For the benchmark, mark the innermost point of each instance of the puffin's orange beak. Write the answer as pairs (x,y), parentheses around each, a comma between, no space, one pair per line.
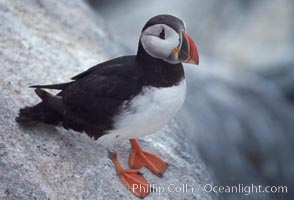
(186,52)
(188,48)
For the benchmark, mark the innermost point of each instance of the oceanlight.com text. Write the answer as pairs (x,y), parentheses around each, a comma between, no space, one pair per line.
(221,189)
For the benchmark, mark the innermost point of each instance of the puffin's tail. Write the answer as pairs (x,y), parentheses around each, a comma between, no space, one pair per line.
(49,111)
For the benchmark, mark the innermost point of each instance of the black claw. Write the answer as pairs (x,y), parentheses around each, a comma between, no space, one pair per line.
(160,175)
(140,173)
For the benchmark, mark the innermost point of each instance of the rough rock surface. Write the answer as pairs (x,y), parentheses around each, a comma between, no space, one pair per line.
(46,42)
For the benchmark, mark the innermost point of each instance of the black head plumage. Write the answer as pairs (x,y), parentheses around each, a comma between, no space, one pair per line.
(169,20)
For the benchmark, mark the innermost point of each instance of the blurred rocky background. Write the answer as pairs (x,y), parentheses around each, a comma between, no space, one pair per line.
(239,109)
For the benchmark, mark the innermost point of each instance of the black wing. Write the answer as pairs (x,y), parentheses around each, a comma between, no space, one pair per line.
(102,66)
(96,95)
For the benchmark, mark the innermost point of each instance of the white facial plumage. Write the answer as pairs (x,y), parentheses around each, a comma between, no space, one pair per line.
(159,41)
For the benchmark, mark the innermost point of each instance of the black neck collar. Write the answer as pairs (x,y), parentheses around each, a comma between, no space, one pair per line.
(159,72)
(144,56)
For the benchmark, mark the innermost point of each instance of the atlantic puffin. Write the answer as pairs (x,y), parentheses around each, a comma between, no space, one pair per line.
(125,98)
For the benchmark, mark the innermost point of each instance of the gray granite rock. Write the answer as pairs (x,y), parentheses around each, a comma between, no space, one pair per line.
(47,42)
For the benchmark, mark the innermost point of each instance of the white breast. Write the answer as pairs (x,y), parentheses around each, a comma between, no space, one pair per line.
(146,113)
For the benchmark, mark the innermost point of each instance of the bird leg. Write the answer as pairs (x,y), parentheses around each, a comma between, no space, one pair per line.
(132,179)
(140,158)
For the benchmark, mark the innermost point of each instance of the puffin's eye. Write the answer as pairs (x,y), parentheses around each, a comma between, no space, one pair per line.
(162,34)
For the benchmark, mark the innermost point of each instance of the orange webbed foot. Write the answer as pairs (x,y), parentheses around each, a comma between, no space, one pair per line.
(140,158)
(132,179)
